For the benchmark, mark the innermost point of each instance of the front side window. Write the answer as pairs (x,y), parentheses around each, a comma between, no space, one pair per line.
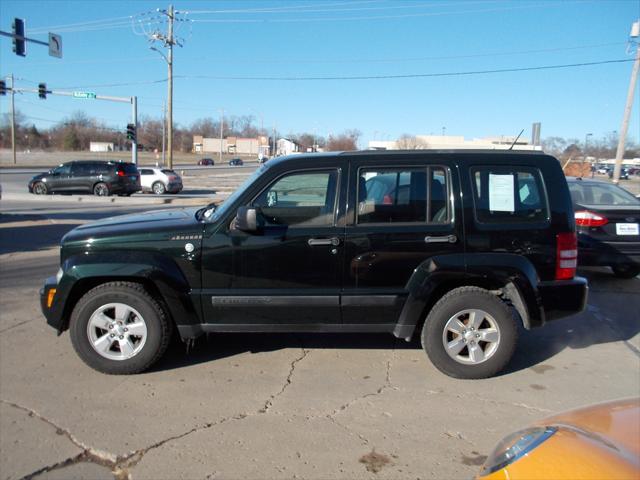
(62,170)
(402,195)
(509,195)
(300,199)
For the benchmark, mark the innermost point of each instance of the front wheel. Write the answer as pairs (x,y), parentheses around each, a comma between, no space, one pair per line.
(40,188)
(470,333)
(625,271)
(101,190)
(118,328)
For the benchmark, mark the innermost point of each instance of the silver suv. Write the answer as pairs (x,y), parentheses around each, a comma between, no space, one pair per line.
(160,180)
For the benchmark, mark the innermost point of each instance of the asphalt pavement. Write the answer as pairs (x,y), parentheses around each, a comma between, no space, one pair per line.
(258,406)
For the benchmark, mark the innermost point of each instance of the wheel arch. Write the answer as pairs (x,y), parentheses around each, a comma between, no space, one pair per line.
(511,277)
(167,285)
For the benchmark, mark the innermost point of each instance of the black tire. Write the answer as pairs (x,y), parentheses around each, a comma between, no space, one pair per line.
(459,300)
(39,188)
(133,295)
(101,190)
(158,188)
(625,271)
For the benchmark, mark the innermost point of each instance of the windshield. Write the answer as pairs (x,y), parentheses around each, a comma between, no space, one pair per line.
(601,194)
(222,209)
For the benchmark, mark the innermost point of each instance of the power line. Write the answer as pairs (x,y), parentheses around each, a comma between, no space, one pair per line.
(354,77)
(411,75)
(375,17)
(326,7)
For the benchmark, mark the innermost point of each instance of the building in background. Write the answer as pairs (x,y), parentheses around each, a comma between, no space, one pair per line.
(258,146)
(101,146)
(450,142)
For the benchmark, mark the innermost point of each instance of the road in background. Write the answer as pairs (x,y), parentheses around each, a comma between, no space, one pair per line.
(276,406)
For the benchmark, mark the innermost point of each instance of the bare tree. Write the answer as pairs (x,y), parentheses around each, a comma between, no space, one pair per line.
(343,142)
(411,142)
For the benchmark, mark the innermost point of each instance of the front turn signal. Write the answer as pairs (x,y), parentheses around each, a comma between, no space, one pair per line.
(50,296)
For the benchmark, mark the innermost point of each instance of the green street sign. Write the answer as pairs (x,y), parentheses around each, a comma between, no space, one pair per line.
(84,95)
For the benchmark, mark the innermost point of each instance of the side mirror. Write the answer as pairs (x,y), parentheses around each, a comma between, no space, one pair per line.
(247,219)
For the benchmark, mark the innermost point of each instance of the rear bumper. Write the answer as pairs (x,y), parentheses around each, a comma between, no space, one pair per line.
(563,298)
(596,253)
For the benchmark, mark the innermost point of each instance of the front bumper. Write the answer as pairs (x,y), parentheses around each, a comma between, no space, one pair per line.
(54,313)
(562,298)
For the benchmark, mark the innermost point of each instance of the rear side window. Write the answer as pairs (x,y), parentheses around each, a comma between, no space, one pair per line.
(402,195)
(146,171)
(509,195)
(128,168)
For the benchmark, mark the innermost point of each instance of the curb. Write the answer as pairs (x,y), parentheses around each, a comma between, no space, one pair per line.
(89,199)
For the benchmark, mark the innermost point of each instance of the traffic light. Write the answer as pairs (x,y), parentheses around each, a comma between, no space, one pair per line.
(131,132)
(19,43)
(42,91)
(3,87)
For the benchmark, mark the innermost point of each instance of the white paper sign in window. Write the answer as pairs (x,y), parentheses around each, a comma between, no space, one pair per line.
(501,193)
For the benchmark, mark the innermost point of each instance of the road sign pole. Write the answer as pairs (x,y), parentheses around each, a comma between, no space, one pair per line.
(134,120)
(13,120)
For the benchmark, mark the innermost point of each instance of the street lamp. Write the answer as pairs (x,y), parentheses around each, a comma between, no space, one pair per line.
(584,155)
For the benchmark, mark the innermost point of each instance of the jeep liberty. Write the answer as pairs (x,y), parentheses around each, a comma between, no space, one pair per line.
(456,247)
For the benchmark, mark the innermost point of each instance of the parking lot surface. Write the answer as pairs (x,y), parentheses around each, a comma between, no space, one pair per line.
(259,406)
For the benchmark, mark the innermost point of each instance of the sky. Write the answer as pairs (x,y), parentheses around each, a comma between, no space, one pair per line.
(291,64)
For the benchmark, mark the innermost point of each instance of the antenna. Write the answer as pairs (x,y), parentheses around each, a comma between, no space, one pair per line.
(514,142)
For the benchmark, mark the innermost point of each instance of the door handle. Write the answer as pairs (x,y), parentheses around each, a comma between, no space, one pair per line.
(315,242)
(445,239)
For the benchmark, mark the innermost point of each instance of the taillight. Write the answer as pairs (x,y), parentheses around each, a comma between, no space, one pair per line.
(121,173)
(585,218)
(566,255)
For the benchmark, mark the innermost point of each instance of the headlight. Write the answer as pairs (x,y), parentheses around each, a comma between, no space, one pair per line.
(59,275)
(514,446)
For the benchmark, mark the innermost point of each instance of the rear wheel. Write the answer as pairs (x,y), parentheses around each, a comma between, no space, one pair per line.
(118,328)
(101,190)
(470,333)
(625,271)
(40,188)
(159,188)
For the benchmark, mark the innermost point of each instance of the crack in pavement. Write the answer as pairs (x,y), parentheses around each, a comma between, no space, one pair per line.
(269,403)
(16,325)
(120,465)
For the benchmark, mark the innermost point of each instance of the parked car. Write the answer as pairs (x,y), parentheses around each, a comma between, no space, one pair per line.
(263,159)
(235,162)
(607,220)
(160,180)
(476,241)
(102,178)
(603,170)
(624,173)
(206,162)
(599,441)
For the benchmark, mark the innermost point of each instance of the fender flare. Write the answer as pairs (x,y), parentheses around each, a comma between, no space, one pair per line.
(155,271)
(512,275)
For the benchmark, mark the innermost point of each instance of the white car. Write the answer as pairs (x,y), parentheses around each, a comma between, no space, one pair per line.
(160,180)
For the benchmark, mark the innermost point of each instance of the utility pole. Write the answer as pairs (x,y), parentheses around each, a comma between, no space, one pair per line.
(635,32)
(170,88)
(13,120)
(134,120)
(167,41)
(164,134)
(221,125)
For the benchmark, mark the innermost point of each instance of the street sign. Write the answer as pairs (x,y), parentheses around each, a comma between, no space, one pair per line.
(55,45)
(84,95)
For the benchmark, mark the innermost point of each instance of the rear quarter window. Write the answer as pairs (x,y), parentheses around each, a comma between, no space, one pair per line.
(510,195)
(128,168)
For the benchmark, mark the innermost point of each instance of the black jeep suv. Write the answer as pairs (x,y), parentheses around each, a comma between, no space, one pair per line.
(454,246)
(88,176)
